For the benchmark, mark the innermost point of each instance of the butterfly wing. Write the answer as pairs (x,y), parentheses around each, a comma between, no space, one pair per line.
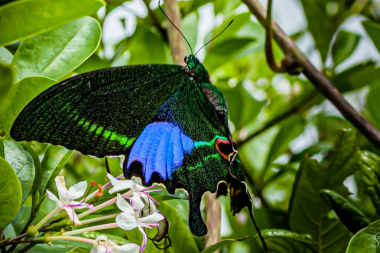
(99,113)
(186,145)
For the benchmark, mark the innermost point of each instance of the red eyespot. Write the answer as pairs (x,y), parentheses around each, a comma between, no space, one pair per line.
(224,148)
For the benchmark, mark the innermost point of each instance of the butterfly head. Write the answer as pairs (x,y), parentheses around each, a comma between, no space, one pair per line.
(196,70)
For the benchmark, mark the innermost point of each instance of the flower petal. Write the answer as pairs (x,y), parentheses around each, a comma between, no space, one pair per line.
(136,202)
(54,198)
(126,248)
(61,187)
(126,221)
(99,245)
(72,215)
(144,238)
(77,190)
(123,205)
(154,218)
(119,185)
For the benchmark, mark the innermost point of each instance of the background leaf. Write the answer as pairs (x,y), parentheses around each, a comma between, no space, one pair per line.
(22,19)
(6,80)
(348,214)
(313,218)
(283,241)
(10,193)
(20,94)
(54,159)
(22,162)
(56,53)
(373,30)
(344,45)
(5,55)
(363,243)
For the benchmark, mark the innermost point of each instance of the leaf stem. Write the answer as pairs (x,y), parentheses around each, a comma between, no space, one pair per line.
(47,217)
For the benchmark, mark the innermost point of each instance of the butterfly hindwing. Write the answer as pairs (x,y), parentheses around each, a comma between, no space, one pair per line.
(101,112)
(184,146)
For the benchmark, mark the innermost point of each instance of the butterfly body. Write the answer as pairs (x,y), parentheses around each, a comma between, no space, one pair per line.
(168,121)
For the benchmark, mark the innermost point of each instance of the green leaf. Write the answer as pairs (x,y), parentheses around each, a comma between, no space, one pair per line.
(56,53)
(54,159)
(22,19)
(364,243)
(20,94)
(37,167)
(370,174)
(91,64)
(2,154)
(344,45)
(373,103)
(6,80)
(221,244)
(10,193)
(348,214)
(308,214)
(22,162)
(242,99)
(373,30)
(5,55)
(283,241)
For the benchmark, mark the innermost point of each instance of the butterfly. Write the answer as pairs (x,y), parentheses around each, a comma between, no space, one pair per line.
(168,122)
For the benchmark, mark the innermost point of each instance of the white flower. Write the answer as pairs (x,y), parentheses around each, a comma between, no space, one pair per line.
(140,199)
(129,218)
(103,245)
(67,197)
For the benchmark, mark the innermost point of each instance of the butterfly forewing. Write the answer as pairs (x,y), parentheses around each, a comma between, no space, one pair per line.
(101,112)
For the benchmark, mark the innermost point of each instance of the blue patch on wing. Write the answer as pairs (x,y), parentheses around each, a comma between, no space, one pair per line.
(161,148)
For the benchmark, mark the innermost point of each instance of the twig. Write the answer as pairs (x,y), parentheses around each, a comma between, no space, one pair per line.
(177,43)
(316,78)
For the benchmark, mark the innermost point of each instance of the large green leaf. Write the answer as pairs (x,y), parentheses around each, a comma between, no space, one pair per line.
(308,213)
(5,55)
(283,241)
(56,53)
(37,167)
(22,19)
(10,193)
(22,162)
(20,94)
(348,214)
(344,45)
(373,30)
(221,244)
(54,159)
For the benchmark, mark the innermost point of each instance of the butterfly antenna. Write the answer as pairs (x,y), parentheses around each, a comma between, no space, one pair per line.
(159,6)
(215,37)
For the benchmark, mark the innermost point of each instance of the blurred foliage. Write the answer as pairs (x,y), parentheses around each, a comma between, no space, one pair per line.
(309,197)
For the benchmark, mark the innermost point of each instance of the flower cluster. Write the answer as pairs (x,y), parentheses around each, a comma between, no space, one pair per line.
(137,208)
